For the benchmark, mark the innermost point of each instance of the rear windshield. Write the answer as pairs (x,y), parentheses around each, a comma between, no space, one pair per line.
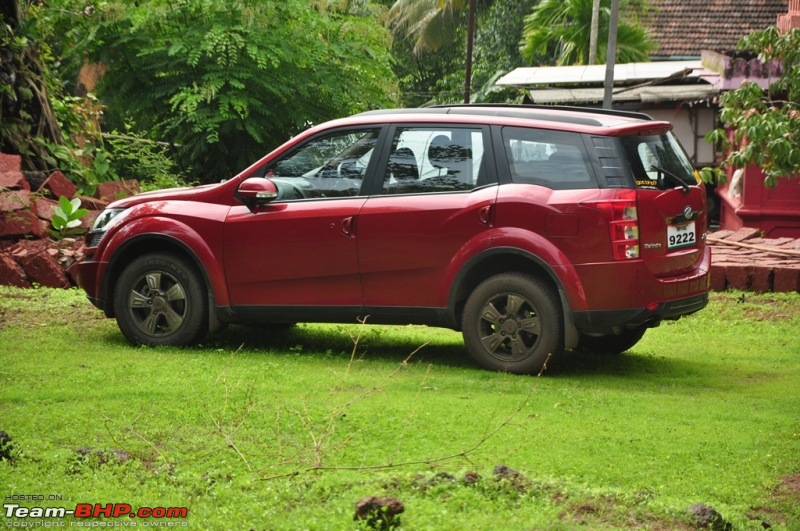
(653,156)
(555,159)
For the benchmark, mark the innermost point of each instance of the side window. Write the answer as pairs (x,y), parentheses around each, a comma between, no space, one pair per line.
(435,159)
(332,165)
(555,159)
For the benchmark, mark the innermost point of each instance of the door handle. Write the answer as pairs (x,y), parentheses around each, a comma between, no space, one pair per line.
(485,215)
(347,226)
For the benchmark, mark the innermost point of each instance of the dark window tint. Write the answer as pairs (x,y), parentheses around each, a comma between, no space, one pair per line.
(651,157)
(554,159)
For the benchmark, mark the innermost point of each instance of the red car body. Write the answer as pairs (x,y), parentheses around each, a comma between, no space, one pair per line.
(492,235)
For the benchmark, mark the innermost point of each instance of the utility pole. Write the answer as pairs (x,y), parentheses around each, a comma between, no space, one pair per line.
(611,55)
(470,39)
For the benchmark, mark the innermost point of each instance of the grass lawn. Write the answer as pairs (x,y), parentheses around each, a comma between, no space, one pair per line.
(289,429)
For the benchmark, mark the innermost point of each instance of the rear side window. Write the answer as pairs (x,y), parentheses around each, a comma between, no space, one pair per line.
(555,159)
(651,156)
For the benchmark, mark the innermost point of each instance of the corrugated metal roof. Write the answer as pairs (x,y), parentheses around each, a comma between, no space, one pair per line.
(695,92)
(625,73)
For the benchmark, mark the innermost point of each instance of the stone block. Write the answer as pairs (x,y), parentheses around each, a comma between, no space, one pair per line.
(93,203)
(114,190)
(43,269)
(13,180)
(761,278)
(58,185)
(10,162)
(718,280)
(20,223)
(738,276)
(14,200)
(743,234)
(787,279)
(11,274)
(43,207)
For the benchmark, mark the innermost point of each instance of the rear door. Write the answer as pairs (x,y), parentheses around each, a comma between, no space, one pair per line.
(428,212)
(671,204)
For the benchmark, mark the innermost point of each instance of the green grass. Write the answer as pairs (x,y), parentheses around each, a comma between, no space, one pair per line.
(288,429)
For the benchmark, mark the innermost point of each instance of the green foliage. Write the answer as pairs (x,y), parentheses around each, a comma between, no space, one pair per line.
(765,125)
(66,219)
(557,32)
(225,82)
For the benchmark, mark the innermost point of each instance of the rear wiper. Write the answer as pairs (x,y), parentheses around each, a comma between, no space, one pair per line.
(672,176)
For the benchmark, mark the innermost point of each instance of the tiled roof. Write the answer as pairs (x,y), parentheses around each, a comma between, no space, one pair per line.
(687,27)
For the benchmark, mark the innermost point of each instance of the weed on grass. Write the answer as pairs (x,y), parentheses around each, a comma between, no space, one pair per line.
(313,425)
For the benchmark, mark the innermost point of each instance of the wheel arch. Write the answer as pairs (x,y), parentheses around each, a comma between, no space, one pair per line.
(508,260)
(154,243)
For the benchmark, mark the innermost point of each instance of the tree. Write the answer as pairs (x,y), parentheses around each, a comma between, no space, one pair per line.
(225,82)
(561,29)
(429,23)
(27,120)
(765,125)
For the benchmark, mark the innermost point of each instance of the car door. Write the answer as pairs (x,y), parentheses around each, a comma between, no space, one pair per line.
(299,250)
(429,212)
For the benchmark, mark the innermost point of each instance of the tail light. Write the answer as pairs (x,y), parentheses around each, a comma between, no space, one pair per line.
(623,223)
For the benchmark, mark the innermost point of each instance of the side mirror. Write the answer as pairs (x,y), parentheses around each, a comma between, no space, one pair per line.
(257,191)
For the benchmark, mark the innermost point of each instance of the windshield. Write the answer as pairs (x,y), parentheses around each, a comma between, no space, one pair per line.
(652,156)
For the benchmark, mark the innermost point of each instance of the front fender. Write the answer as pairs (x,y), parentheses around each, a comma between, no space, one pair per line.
(159,232)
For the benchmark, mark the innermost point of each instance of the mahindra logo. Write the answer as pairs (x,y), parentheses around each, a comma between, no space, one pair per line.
(688,212)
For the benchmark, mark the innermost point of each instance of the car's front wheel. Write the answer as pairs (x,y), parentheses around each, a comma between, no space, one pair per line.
(513,323)
(160,299)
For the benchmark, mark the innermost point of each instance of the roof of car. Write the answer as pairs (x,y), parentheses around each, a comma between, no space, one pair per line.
(577,116)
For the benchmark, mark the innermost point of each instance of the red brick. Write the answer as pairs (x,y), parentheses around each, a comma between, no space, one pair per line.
(43,207)
(787,279)
(93,203)
(738,276)
(14,200)
(718,280)
(88,220)
(25,248)
(11,274)
(58,185)
(761,278)
(45,270)
(743,234)
(114,190)
(10,163)
(20,223)
(13,180)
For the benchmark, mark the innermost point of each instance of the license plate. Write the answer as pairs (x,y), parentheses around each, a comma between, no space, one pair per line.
(682,235)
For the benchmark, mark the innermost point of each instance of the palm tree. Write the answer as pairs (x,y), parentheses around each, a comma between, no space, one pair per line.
(561,29)
(429,23)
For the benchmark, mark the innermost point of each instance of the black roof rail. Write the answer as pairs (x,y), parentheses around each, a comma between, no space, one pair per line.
(593,110)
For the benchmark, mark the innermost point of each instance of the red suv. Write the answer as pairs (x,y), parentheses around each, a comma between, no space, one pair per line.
(530,229)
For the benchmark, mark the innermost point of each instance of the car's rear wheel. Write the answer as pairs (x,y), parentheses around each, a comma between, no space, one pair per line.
(512,322)
(611,343)
(160,299)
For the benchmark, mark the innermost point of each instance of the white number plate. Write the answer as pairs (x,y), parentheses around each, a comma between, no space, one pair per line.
(680,235)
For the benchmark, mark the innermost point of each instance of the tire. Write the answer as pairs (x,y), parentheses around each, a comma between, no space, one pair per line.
(160,299)
(513,323)
(611,343)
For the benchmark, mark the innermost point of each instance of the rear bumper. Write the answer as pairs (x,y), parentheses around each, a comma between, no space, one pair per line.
(613,321)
